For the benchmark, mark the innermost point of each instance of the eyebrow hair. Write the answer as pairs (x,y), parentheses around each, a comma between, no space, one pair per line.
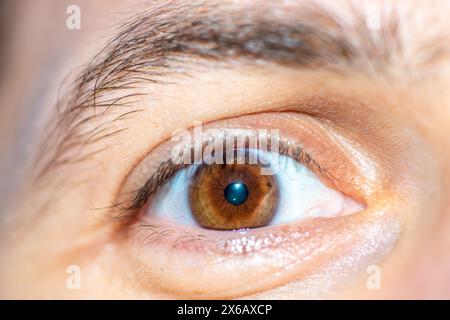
(153,43)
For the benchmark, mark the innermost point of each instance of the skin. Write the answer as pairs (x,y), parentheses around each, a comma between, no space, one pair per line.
(398,123)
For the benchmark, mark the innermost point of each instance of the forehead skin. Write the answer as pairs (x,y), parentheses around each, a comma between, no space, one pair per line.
(402,45)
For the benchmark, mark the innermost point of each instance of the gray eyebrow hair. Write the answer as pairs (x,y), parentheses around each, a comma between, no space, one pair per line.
(153,42)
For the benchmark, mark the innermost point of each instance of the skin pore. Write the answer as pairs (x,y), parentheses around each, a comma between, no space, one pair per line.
(376,120)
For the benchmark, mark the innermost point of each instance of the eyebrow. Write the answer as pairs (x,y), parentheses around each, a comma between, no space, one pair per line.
(155,42)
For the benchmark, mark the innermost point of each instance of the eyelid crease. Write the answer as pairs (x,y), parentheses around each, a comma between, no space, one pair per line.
(167,169)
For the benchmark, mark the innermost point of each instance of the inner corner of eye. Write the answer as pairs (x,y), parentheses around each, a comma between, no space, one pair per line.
(240,195)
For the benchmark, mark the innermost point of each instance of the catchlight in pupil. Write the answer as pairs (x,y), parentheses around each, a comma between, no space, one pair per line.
(236,193)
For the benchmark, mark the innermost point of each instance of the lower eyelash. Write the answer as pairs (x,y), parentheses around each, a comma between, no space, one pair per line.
(223,243)
(157,234)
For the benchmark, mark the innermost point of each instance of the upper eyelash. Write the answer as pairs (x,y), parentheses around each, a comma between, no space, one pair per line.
(165,171)
(168,169)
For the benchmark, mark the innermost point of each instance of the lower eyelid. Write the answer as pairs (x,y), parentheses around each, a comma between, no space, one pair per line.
(227,243)
(214,242)
(281,255)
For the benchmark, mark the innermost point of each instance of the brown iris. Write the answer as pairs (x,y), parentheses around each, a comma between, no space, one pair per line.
(232,196)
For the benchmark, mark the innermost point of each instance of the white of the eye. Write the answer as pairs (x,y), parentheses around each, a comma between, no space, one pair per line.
(303,195)
(171,202)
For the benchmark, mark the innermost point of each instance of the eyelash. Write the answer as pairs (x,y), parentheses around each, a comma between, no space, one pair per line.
(167,169)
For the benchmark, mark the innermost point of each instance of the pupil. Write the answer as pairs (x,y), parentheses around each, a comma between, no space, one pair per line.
(236,193)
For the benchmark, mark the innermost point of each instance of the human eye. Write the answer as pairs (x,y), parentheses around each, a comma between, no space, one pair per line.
(244,179)
(227,194)
(231,197)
